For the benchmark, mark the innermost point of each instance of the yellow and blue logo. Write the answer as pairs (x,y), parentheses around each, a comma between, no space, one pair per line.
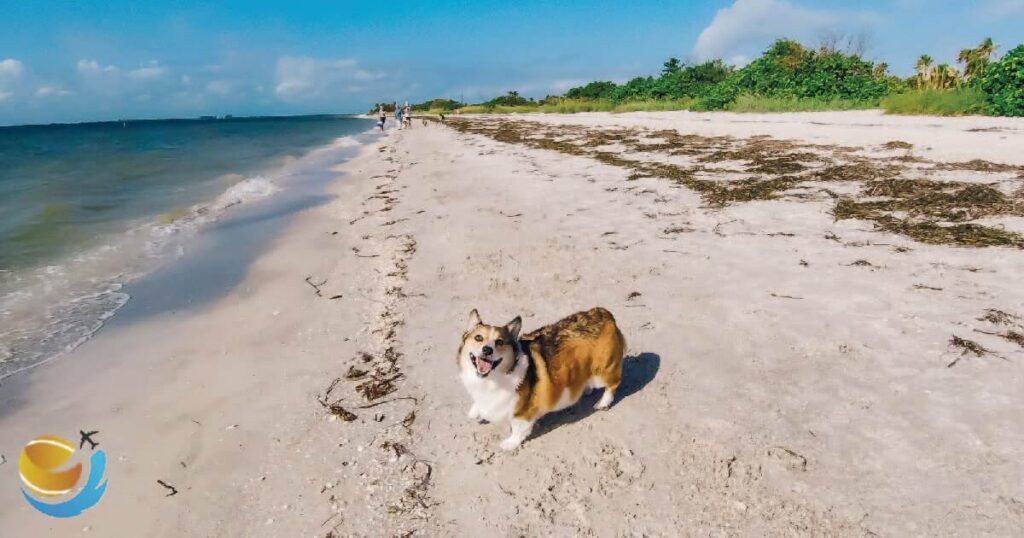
(45,475)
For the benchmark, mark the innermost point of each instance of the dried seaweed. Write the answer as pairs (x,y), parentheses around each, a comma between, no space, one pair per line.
(966,346)
(379,385)
(355,373)
(897,144)
(396,447)
(998,317)
(979,165)
(934,212)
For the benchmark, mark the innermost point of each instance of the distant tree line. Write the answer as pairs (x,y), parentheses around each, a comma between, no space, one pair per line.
(790,70)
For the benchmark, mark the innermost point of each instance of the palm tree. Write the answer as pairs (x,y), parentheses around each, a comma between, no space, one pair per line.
(977,59)
(924,64)
(879,70)
(671,66)
(944,77)
(969,57)
(986,49)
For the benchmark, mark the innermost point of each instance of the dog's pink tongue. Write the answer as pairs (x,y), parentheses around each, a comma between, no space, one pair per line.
(483,366)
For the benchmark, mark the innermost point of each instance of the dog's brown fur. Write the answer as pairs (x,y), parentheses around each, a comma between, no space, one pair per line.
(565,355)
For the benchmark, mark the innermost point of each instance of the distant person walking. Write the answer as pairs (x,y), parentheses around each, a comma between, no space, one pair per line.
(398,115)
(382,117)
(407,115)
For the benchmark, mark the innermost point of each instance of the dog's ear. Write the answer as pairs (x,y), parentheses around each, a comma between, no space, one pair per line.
(513,327)
(474,320)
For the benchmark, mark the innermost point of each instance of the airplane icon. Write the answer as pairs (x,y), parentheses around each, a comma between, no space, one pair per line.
(87,436)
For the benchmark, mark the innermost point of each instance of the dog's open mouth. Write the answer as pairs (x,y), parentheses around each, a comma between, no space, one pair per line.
(484,366)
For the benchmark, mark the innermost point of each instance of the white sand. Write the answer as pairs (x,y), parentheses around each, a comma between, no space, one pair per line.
(765,396)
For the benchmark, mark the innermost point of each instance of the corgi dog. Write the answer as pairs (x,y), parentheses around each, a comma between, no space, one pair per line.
(521,379)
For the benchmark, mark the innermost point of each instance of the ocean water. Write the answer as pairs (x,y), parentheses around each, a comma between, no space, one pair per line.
(87,208)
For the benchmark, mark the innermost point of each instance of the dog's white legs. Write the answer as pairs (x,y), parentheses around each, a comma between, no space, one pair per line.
(606,399)
(474,413)
(520,431)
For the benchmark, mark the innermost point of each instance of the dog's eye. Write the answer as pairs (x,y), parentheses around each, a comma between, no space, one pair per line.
(499,342)
(478,338)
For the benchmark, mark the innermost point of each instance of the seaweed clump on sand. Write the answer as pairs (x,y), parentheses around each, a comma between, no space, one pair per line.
(934,212)
(764,155)
(979,165)
(897,144)
(967,347)
(1014,334)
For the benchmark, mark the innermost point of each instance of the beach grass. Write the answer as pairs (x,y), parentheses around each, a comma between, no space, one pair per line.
(571,106)
(961,101)
(757,103)
(744,103)
(957,102)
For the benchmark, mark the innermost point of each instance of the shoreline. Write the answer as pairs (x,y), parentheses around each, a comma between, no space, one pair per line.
(775,383)
(152,245)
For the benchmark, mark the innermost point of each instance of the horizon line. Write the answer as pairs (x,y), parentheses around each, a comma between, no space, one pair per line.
(200,118)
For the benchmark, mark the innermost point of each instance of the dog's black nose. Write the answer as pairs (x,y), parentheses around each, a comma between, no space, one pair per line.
(487,350)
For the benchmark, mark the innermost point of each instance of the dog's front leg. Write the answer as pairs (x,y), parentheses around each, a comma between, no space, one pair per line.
(520,431)
(474,412)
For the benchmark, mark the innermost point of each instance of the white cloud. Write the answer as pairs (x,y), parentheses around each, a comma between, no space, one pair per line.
(52,91)
(754,23)
(5,96)
(92,67)
(304,77)
(149,72)
(11,68)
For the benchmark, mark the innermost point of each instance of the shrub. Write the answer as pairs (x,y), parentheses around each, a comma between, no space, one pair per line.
(599,89)
(437,104)
(787,69)
(719,96)
(1003,84)
(511,98)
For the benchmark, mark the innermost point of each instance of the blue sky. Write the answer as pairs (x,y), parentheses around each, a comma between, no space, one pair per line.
(79,60)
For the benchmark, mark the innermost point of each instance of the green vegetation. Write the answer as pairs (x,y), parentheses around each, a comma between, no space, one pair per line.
(953,102)
(757,103)
(789,70)
(560,105)
(1003,84)
(790,77)
(437,105)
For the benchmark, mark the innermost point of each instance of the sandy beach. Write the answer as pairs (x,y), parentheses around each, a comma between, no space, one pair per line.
(823,311)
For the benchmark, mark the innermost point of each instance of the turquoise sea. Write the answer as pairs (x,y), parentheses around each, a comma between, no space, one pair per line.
(87,208)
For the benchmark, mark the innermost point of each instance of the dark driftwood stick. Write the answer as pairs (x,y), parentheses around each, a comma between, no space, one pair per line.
(174,491)
(367,406)
(315,287)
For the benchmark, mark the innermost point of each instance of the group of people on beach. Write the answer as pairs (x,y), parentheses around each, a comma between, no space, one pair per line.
(403,115)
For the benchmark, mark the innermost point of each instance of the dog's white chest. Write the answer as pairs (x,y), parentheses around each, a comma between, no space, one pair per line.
(495,401)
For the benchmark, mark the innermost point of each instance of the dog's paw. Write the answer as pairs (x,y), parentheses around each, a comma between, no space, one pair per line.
(510,444)
(605,402)
(473,413)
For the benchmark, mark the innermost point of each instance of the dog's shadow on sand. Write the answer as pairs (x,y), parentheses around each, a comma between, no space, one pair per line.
(637,372)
